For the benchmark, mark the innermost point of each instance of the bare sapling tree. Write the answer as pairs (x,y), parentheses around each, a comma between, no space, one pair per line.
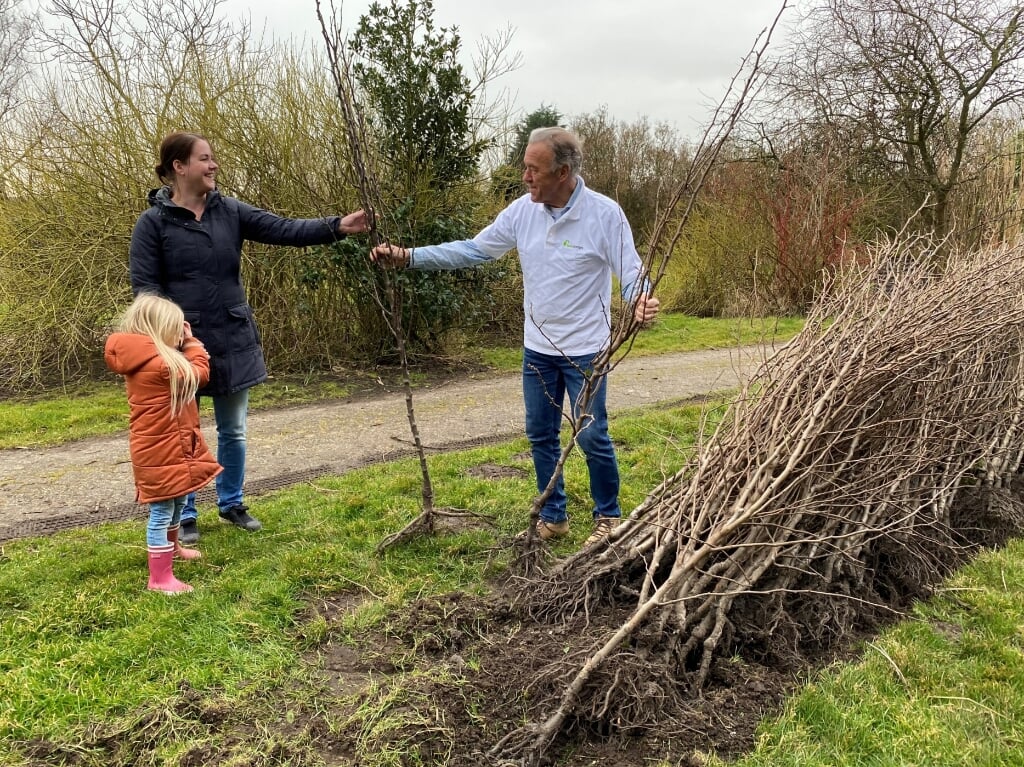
(668,228)
(906,85)
(390,303)
(15,35)
(823,500)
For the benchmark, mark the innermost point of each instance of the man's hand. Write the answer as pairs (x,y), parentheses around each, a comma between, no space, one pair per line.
(390,256)
(353,223)
(646,308)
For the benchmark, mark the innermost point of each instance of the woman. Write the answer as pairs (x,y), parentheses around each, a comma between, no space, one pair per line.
(188,247)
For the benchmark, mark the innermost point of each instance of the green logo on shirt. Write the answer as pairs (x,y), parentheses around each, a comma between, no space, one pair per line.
(567,244)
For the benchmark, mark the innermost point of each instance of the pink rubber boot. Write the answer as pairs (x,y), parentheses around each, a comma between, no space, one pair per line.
(160,576)
(180,551)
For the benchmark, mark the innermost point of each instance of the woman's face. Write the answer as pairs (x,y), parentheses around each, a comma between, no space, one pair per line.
(199,175)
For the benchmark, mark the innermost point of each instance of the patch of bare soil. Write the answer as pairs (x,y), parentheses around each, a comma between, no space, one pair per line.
(479,702)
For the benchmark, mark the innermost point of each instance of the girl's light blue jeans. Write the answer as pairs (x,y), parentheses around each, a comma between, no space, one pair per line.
(163,514)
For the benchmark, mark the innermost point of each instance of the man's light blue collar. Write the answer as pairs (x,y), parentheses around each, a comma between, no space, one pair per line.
(559,212)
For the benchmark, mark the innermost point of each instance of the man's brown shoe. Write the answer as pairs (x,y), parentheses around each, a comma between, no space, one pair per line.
(548,530)
(602,526)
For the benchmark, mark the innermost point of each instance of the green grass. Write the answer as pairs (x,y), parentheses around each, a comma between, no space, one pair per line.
(944,688)
(81,641)
(677,333)
(84,646)
(101,408)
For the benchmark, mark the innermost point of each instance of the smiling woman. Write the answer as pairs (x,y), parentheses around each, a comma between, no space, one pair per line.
(188,247)
(191,160)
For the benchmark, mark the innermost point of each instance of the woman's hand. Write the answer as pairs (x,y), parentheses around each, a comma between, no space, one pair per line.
(354,223)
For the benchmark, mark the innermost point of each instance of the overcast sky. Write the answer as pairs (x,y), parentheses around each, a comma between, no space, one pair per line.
(669,60)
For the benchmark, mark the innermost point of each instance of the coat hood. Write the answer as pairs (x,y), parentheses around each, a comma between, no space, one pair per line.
(169,455)
(161,197)
(127,353)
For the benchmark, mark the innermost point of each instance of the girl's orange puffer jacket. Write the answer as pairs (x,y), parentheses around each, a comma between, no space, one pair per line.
(169,455)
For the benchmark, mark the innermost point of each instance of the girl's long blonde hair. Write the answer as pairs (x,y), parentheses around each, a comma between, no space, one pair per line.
(163,321)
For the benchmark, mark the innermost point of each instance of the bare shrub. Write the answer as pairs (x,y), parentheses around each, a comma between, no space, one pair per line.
(776,220)
(15,33)
(905,86)
(636,164)
(721,264)
(122,75)
(989,203)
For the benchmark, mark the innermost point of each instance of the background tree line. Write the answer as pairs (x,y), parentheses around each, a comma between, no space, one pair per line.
(878,116)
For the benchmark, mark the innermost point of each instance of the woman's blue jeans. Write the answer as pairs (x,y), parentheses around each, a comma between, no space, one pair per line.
(546,380)
(163,514)
(229,412)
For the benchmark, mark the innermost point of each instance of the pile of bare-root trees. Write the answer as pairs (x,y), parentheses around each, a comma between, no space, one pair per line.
(825,499)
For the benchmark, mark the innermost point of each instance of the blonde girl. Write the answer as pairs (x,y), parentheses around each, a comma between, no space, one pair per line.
(163,365)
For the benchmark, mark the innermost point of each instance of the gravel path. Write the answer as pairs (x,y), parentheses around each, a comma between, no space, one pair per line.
(49,489)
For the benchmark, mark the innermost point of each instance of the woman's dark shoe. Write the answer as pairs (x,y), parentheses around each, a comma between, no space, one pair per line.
(238,515)
(189,532)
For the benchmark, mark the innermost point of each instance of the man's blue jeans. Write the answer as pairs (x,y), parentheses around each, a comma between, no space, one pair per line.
(229,412)
(163,514)
(546,380)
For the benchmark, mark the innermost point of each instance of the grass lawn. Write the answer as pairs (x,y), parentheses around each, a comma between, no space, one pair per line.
(87,655)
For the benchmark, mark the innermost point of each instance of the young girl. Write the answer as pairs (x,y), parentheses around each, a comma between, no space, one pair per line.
(163,365)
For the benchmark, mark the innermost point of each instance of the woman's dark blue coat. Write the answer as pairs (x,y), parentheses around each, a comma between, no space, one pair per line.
(197,264)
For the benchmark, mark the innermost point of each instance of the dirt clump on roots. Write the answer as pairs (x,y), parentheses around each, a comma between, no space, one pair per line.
(479,703)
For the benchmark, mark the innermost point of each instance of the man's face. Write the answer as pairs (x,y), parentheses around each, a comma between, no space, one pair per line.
(546,184)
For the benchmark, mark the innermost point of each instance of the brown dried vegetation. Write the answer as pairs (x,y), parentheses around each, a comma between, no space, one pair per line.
(823,503)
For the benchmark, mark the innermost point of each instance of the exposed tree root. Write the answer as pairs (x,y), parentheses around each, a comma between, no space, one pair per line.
(426,523)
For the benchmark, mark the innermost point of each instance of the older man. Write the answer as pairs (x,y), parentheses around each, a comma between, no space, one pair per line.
(570,240)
